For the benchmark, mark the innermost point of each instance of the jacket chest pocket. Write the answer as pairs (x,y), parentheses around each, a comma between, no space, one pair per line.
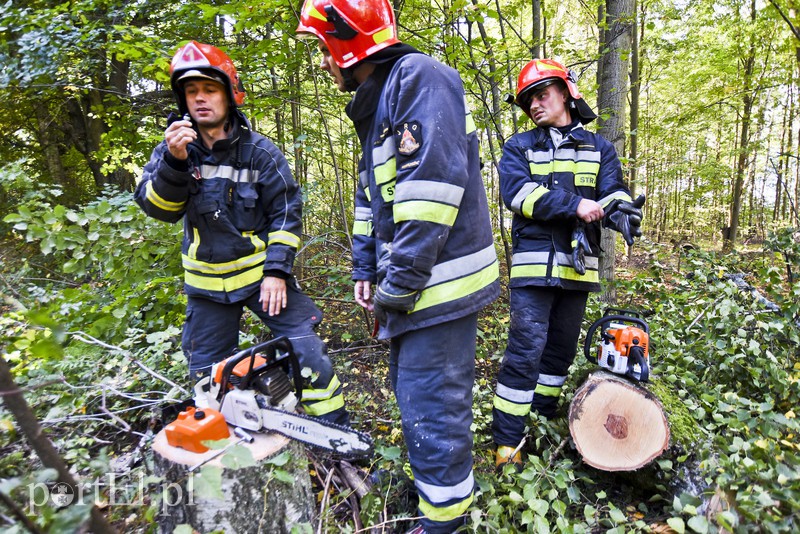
(246,208)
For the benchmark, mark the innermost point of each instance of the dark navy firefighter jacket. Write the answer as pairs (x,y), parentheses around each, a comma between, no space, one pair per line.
(421,216)
(240,206)
(542,185)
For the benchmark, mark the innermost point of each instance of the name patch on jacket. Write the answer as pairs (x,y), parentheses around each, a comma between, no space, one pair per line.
(408,137)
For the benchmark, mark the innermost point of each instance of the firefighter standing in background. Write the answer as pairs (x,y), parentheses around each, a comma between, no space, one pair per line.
(241,211)
(423,253)
(561,182)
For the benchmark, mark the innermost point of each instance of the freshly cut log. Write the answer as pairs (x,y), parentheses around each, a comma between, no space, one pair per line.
(251,499)
(616,424)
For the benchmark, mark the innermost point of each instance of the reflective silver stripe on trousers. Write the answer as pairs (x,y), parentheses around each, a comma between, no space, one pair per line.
(440,494)
(519,396)
(551,380)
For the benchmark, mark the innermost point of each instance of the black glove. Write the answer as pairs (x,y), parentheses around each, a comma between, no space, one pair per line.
(580,246)
(392,297)
(626,218)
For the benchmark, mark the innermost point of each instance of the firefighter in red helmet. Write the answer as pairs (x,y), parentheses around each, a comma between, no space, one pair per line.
(423,249)
(241,211)
(561,182)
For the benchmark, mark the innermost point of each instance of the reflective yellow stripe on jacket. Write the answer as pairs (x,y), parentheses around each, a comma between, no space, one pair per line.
(460,277)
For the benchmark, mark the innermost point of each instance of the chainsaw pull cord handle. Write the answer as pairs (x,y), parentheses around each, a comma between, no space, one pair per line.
(294,363)
(587,345)
(636,355)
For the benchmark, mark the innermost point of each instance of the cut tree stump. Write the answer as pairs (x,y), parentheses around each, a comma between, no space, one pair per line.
(616,424)
(251,499)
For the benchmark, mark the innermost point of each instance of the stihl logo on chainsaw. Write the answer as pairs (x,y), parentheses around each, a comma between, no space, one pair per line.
(624,345)
(253,391)
(291,427)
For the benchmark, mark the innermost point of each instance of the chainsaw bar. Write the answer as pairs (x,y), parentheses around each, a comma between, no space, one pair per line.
(319,434)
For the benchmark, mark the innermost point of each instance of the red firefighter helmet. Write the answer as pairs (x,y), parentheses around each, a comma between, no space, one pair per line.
(542,72)
(351,29)
(198,60)
(539,72)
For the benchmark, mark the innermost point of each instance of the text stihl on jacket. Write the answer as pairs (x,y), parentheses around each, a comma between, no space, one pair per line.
(542,184)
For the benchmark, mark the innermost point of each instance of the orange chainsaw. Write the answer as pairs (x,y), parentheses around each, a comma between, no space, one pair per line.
(624,344)
(253,390)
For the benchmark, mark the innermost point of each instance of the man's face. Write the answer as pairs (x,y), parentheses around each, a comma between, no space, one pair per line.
(207,101)
(328,64)
(549,106)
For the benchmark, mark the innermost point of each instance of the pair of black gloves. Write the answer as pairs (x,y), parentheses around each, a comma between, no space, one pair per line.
(622,216)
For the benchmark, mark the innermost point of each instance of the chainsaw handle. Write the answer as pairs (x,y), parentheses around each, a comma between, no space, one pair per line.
(607,319)
(270,349)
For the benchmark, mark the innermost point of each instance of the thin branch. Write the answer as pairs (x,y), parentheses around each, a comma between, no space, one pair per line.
(795,31)
(86,338)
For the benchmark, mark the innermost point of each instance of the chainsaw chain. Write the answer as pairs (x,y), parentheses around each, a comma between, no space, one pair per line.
(362,437)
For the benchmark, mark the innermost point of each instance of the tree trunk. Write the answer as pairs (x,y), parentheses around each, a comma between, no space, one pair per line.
(248,499)
(729,240)
(536,29)
(616,424)
(615,45)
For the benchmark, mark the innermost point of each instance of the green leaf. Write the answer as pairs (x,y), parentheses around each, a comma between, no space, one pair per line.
(280,460)
(208,482)
(677,524)
(617,516)
(238,457)
(284,476)
(698,524)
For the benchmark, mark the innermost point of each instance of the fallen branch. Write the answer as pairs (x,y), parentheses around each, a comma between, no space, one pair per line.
(86,338)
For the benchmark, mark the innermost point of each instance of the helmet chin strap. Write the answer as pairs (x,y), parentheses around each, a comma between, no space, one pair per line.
(350,83)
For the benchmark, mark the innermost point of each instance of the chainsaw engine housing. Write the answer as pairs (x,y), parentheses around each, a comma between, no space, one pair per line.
(624,344)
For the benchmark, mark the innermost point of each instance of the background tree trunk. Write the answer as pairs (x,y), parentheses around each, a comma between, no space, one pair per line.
(615,46)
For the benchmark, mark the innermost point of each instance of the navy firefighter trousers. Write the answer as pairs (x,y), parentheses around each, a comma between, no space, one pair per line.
(211,334)
(542,340)
(432,371)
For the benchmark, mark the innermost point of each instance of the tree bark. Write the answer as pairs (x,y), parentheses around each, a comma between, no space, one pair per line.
(748,98)
(615,45)
(616,424)
(250,499)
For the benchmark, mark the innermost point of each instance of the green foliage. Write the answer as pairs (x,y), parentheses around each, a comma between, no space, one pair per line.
(122,269)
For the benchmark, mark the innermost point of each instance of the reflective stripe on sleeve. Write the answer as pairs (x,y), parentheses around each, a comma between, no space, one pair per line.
(616,195)
(160,202)
(285,238)
(426,200)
